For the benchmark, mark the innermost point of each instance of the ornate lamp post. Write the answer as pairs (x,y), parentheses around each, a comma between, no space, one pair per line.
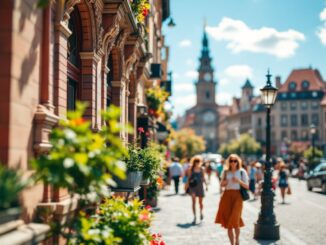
(313,131)
(266,226)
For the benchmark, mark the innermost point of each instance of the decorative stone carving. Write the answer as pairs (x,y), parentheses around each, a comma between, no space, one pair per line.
(44,122)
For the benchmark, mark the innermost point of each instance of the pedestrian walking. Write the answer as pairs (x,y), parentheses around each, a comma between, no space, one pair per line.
(195,185)
(283,180)
(302,169)
(231,203)
(259,178)
(208,170)
(185,167)
(219,169)
(253,179)
(175,173)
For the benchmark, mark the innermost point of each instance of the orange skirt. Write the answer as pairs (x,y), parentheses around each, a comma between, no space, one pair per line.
(230,209)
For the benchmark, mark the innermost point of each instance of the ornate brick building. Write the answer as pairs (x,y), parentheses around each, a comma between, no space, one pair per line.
(89,50)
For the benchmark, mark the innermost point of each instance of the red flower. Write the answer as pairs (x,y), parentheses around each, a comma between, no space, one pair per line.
(145,12)
(141,130)
(149,208)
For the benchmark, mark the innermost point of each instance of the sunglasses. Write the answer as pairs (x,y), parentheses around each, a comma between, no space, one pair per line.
(235,161)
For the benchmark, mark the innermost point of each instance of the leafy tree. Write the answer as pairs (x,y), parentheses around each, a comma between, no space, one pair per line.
(312,161)
(244,145)
(187,143)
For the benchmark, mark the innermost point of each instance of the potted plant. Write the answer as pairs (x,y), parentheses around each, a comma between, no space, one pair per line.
(10,187)
(151,159)
(134,167)
(152,194)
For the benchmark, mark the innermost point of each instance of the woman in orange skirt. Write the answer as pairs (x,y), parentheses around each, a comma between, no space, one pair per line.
(230,207)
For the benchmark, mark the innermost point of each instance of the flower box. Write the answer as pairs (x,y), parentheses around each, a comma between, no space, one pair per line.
(144,181)
(132,180)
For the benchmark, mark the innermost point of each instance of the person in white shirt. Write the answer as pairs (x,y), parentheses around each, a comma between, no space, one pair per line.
(176,173)
(231,203)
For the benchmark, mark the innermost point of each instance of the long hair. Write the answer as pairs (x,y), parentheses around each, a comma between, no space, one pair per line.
(232,156)
(195,161)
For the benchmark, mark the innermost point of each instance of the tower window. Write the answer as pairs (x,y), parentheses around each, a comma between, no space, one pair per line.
(207,95)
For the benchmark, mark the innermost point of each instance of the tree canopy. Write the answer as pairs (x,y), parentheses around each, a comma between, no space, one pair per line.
(244,145)
(187,143)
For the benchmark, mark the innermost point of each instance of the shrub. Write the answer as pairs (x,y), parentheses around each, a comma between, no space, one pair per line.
(11,185)
(129,221)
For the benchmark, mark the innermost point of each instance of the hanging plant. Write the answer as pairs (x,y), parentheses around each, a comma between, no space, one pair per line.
(141,9)
(156,98)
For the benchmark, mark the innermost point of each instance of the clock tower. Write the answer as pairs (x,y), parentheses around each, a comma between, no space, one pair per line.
(204,116)
(205,86)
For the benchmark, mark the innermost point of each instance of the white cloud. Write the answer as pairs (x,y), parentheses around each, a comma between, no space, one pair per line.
(183,87)
(241,37)
(182,103)
(323,15)
(231,79)
(185,43)
(224,98)
(322,30)
(191,74)
(239,71)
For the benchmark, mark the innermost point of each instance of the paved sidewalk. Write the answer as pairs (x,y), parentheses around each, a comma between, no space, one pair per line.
(174,216)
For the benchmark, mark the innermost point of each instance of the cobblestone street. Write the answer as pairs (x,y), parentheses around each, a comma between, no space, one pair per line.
(302,219)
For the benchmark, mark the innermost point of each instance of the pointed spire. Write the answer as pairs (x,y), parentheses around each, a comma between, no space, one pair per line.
(205,39)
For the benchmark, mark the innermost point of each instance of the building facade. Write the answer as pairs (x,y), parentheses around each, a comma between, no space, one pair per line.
(298,106)
(94,51)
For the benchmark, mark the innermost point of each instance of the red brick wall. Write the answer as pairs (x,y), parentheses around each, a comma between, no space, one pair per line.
(5,67)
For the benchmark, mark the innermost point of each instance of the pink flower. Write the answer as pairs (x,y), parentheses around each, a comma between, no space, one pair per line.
(141,130)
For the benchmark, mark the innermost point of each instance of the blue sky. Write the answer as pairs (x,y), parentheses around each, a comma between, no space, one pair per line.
(246,37)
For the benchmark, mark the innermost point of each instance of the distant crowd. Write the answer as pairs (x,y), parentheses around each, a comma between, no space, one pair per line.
(235,177)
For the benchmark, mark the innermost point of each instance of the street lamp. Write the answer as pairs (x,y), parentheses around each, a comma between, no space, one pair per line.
(313,132)
(266,226)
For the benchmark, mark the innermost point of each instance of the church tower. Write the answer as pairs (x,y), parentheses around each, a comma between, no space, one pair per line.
(204,116)
(205,86)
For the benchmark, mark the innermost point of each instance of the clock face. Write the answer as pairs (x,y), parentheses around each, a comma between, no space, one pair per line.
(207,77)
(209,117)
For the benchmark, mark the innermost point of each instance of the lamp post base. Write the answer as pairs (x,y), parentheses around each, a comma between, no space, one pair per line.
(267,231)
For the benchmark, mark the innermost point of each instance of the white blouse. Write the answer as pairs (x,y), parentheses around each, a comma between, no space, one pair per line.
(240,174)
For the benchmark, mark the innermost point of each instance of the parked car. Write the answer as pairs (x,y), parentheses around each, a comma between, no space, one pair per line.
(317,178)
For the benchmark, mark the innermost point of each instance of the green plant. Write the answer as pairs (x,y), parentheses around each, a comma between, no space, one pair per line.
(11,185)
(129,221)
(313,156)
(92,230)
(152,159)
(140,8)
(82,161)
(156,98)
(133,160)
(153,190)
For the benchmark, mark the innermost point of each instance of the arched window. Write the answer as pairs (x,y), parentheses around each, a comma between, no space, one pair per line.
(73,58)
(305,85)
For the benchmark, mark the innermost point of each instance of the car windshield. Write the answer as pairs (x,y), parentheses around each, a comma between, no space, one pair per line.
(320,166)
